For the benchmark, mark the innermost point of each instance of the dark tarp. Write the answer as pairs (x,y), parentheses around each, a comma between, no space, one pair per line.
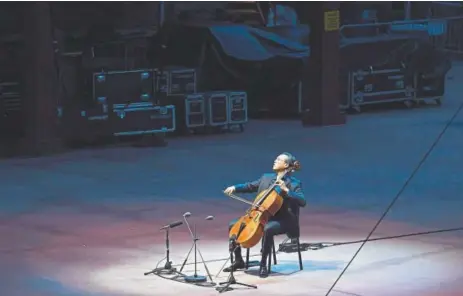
(255,55)
(258,45)
(242,52)
(268,62)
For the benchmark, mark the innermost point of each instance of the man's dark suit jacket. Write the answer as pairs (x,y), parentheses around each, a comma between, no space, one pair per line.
(293,200)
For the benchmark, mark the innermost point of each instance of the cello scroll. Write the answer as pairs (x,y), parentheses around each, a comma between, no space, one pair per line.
(296,166)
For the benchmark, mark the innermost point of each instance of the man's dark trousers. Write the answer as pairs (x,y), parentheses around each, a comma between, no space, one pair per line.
(272,228)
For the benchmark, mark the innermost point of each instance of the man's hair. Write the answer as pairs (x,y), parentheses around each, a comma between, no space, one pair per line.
(291,159)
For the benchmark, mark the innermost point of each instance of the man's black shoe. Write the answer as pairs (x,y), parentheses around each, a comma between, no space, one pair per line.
(263,272)
(239,264)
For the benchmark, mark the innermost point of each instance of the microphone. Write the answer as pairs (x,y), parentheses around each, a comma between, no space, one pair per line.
(186,215)
(209,218)
(172,225)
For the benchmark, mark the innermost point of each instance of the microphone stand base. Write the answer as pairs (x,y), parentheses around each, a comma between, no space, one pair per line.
(167,269)
(195,279)
(225,286)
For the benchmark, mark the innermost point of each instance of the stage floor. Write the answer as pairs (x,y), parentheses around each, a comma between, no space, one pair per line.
(86,222)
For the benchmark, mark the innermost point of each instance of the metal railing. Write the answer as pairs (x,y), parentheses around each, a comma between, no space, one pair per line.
(445,33)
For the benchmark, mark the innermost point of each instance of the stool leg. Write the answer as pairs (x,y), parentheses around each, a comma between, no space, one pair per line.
(274,254)
(299,254)
(247,259)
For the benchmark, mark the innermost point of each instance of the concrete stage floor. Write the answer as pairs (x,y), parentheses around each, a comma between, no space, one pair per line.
(86,222)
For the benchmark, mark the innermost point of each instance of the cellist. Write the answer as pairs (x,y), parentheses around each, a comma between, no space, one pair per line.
(285,221)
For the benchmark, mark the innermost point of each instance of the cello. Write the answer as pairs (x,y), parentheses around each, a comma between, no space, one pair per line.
(249,229)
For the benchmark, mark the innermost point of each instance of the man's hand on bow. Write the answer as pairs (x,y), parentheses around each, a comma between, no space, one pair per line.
(229,190)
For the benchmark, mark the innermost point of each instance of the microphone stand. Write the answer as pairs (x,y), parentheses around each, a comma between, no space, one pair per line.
(167,269)
(195,278)
(231,278)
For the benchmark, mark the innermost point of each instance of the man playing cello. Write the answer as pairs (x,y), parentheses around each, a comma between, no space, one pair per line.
(285,220)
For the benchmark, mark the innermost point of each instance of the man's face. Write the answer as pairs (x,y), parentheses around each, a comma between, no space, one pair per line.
(280,163)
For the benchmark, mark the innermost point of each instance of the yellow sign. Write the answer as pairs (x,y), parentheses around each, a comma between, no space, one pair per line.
(331,20)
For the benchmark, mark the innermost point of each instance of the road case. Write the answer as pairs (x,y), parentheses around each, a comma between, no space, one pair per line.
(195,111)
(142,118)
(182,82)
(238,109)
(380,86)
(120,87)
(217,109)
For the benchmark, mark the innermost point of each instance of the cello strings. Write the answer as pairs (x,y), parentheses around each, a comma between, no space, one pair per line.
(267,191)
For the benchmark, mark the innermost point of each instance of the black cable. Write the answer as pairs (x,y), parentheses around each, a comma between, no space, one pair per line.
(425,157)
(322,245)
